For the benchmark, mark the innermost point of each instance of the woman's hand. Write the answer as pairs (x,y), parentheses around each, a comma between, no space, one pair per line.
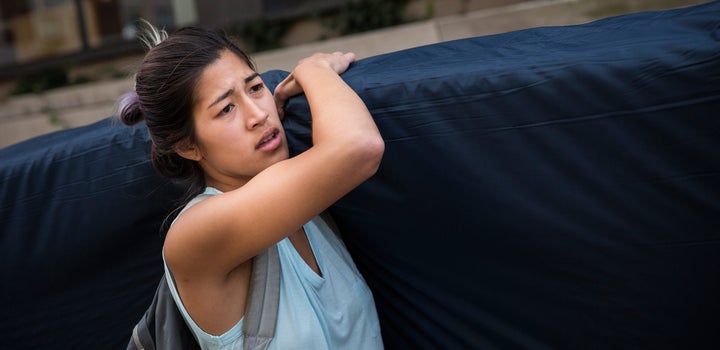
(289,87)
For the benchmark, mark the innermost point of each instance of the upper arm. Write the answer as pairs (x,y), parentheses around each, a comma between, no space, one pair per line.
(218,234)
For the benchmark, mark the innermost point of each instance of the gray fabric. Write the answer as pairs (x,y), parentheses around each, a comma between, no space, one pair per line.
(263,301)
(168,325)
(171,331)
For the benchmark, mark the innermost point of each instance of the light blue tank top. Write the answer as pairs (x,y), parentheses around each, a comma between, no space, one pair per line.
(332,311)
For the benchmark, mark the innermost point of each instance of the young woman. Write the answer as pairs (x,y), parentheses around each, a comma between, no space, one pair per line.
(215,124)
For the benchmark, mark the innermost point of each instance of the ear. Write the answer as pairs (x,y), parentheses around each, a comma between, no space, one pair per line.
(188,150)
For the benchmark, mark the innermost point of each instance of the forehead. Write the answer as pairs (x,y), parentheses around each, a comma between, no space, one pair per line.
(227,72)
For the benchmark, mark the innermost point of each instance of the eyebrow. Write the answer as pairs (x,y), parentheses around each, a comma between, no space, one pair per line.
(232,90)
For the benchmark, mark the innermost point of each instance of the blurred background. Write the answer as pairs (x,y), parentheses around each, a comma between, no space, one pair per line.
(64,63)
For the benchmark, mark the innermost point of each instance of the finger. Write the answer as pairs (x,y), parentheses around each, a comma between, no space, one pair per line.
(280,106)
(280,111)
(287,88)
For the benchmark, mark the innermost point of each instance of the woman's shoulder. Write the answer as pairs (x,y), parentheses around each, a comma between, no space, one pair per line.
(207,193)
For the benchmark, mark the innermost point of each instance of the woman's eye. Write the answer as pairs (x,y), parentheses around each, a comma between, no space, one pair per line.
(256,88)
(227,109)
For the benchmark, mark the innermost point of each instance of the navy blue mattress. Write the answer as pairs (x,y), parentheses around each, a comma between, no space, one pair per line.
(551,188)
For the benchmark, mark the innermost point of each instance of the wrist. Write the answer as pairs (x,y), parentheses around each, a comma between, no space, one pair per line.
(311,68)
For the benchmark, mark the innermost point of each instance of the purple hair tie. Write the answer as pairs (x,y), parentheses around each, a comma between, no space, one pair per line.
(126,100)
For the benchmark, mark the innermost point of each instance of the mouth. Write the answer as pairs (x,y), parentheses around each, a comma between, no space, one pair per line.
(269,141)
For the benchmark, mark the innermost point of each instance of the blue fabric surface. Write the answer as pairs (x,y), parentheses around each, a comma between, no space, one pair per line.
(551,188)
(80,215)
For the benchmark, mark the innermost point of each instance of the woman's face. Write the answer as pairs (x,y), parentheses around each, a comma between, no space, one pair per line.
(237,129)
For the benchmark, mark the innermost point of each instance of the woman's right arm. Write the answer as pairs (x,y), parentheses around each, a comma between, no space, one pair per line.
(221,232)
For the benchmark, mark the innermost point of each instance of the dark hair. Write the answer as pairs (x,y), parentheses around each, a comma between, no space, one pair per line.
(165,93)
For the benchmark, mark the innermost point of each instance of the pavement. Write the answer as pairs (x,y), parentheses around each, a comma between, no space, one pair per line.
(26,116)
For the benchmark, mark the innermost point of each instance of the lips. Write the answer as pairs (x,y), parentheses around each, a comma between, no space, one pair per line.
(269,140)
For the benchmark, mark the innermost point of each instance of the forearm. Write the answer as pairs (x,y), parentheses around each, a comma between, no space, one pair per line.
(339,116)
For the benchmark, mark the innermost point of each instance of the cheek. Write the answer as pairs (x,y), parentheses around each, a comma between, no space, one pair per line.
(268,104)
(218,139)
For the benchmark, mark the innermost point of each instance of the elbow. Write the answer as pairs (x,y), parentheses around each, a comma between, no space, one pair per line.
(370,152)
(377,150)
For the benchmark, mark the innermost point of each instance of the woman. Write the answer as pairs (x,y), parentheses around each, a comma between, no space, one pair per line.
(216,125)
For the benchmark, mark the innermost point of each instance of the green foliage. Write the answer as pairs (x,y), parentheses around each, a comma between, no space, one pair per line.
(46,79)
(429,8)
(260,34)
(40,81)
(82,79)
(363,15)
(353,17)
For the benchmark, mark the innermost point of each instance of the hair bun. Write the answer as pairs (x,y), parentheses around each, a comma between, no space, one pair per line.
(129,109)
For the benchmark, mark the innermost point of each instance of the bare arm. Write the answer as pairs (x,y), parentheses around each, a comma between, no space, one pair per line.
(217,235)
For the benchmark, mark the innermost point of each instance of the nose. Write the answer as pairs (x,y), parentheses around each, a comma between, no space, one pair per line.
(255,115)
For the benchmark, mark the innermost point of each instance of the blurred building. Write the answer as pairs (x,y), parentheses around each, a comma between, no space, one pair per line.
(37,33)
